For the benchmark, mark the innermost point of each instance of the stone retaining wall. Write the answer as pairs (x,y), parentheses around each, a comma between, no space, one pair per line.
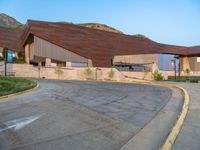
(26,70)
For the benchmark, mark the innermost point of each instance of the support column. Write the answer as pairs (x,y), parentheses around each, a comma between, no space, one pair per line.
(154,67)
(27,53)
(68,64)
(90,63)
(185,63)
(48,62)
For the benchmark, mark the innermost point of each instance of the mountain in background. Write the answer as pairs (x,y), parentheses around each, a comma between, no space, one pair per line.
(10,22)
(7,21)
(98,26)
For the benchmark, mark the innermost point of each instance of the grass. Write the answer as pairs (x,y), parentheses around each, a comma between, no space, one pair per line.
(192,79)
(10,85)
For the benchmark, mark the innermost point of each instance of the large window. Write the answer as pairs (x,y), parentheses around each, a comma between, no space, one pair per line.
(164,62)
(132,67)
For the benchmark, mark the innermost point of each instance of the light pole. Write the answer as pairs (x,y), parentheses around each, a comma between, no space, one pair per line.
(173,61)
(5,60)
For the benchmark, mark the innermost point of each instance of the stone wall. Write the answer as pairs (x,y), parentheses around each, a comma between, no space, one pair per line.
(69,73)
(138,75)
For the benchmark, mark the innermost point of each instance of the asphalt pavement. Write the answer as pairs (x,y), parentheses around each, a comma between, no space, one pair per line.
(78,115)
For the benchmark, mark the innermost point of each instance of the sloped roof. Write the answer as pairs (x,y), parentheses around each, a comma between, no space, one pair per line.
(11,38)
(100,46)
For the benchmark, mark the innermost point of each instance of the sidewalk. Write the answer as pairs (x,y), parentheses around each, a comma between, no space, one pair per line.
(154,133)
(189,137)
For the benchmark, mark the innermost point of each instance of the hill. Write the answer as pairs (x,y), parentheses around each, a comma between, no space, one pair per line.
(7,21)
(98,26)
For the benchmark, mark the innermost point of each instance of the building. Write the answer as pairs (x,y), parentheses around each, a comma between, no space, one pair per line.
(50,44)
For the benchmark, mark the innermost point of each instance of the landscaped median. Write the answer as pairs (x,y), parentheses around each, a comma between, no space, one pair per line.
(11,85)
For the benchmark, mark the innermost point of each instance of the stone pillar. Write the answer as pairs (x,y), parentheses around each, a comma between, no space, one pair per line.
(185,63)
(68,64)
(90,63)
(40,63)
(27,53)
(48,62)
(154,67)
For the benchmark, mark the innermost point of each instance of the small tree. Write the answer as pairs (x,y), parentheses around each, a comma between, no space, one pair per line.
(88,72)
(158,76)
(188,72)
(58,71)
(111,73)
(5,49)
(145,74)
(21,55)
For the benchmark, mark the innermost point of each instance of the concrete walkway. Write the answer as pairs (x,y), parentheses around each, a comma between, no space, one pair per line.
(152,136)
(189,137)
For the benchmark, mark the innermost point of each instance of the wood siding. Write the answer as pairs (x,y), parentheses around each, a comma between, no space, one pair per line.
(43,48)
(189,63)
(194,65)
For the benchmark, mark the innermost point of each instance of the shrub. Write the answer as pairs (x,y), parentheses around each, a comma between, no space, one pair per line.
(19,61)
(187,71)
(58,71)
(4,52)
(1,59)
(21,55)
(158,76)
(145,74)
(194,80)
(88,72)
(111,73)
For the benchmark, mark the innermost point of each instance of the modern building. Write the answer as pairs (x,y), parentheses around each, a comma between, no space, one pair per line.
(49,44)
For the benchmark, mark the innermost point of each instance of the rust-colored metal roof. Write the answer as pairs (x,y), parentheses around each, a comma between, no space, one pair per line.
(100,46)
(11,38)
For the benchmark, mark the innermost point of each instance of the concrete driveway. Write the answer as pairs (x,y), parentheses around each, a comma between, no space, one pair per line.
(78,115)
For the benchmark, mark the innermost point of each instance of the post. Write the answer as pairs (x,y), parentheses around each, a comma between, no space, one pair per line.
(39,69)
(179,69)
(175,68)
(5,61)
(173,61)
(96,73)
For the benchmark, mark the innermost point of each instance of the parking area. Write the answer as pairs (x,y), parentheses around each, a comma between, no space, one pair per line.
(78,115)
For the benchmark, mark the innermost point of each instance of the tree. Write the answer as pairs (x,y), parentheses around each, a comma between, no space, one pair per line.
(145,74)
(111,73)
(188,73)
(158,76)
(58,71)
(88,72)
(5,49)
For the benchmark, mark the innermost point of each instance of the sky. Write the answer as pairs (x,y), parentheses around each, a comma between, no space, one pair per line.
(166,21)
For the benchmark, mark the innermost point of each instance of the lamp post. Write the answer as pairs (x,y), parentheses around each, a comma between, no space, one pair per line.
(173,61)
(5,60)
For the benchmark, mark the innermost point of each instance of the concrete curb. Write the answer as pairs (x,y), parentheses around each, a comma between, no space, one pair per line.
(19,93)
(179,123)
(168,143)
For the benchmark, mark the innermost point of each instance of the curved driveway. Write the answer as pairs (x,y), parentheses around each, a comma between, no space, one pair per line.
(78,115)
